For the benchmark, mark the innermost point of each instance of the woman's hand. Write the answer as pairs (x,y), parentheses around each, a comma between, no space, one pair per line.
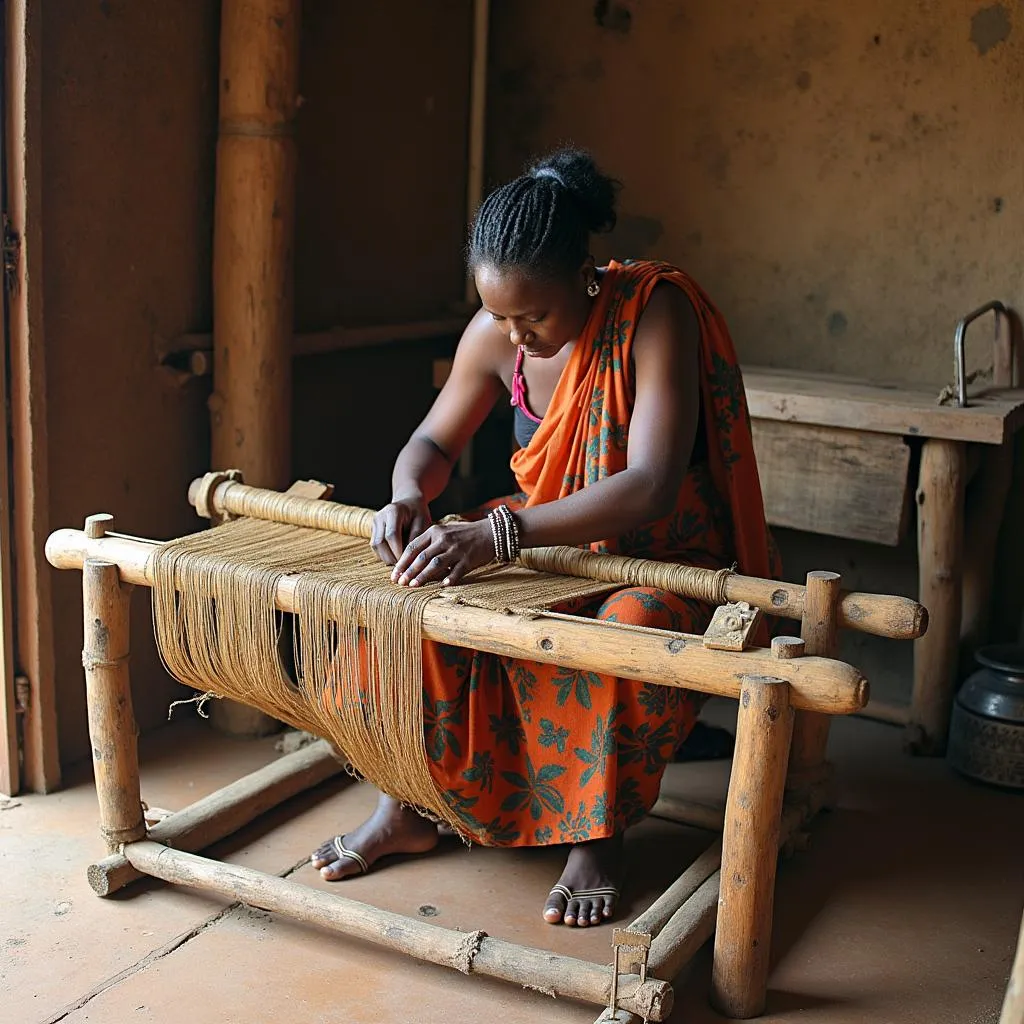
(396,525)
(445,553)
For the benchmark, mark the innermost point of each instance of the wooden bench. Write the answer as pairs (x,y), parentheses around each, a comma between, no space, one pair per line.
(848,458)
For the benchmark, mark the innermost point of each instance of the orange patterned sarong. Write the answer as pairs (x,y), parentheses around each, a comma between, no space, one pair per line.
(532,754)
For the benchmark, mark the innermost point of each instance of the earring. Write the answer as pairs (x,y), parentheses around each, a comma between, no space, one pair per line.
(593,288)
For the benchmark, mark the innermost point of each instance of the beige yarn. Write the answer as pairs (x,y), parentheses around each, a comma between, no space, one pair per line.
(357,638)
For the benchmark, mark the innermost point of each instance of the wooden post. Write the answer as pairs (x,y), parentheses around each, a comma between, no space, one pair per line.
(112,731)
(225,811)
(750,849)
(1013,1001)
(940,539)
(254,221)
(818,630)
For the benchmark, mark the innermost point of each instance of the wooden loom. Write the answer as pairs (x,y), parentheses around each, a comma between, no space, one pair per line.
(779,778)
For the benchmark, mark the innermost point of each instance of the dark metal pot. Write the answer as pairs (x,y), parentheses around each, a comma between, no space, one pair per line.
(986,735)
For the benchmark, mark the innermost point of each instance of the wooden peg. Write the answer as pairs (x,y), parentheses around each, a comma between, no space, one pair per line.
(96,526)
(314,489)
(785,647)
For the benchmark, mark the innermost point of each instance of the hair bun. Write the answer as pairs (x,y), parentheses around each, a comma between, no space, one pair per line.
(576,171)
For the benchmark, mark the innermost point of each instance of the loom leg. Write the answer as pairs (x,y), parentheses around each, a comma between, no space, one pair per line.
(225,811)
(807,767)
(753,814)
(112,730)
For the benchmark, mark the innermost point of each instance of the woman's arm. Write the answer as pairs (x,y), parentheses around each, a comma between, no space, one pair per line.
(424,465)
(661,436)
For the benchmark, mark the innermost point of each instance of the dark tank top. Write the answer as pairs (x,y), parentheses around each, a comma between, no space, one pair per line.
(525,424)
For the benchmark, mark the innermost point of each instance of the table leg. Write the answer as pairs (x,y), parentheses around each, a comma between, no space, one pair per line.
(940,542)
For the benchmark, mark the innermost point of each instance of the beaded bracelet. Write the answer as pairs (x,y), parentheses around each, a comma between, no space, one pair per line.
(505,533)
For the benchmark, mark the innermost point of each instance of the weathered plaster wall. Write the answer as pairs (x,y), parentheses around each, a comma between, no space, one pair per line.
(844,179)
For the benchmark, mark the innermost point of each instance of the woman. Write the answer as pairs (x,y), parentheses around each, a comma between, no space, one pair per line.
(631,417)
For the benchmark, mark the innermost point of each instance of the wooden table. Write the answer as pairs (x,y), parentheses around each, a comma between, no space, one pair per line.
(847,458)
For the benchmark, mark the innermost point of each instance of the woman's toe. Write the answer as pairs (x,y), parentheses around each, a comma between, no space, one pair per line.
(554,909)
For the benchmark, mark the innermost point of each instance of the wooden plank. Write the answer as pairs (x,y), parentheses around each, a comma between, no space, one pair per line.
(840,483)
(30,477)
(833,401)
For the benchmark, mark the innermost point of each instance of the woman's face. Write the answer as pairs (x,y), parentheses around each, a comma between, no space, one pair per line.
(541,316)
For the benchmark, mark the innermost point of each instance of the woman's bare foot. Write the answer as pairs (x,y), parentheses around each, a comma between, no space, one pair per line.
(594,871)
(390,829)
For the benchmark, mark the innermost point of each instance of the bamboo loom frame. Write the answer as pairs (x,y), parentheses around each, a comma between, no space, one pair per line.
(728,891)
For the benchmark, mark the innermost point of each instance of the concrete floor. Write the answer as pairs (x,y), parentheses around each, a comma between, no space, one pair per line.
(905,908)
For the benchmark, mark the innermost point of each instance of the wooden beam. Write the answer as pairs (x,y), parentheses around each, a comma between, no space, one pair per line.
(253,244)
(878,614)
(28,411)
(830,400)
(651,655)
(472,952)
(254,223)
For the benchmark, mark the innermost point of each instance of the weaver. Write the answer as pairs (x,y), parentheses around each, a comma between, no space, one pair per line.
(634,439)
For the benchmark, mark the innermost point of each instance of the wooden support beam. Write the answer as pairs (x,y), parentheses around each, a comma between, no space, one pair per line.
(940,530)
(652,655)
(254,225)
(225,811)
(112,731)
(750,848)
(467,952)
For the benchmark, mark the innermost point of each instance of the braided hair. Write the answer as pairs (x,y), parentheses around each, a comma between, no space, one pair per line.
(540,223)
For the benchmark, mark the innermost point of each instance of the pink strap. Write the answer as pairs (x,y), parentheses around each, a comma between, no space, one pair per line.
(519,387)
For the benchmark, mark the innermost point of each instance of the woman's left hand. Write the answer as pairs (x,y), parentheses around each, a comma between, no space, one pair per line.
(445,554)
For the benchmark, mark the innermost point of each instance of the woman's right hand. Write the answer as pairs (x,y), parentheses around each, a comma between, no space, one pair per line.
(395,525)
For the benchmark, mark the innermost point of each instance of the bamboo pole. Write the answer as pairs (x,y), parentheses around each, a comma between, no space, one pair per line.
(881,615)
(225,811)
(940,540)
(254,224)
(818,630)
(750,848)
(651,655)
(467,952)
(112,732)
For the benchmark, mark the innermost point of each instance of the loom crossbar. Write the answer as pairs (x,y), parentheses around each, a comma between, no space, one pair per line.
(897,618)
(468,952)
(654,656)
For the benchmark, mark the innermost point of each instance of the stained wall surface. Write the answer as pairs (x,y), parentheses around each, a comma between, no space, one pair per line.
(844,179)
